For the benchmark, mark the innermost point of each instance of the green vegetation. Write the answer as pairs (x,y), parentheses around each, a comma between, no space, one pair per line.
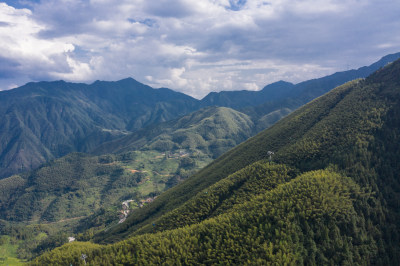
(319,187)
(85,192)
(355,127)
(78,195)
(77,185)
(46,120)
(237,188)
(212,130)
(308,220)
(8,252)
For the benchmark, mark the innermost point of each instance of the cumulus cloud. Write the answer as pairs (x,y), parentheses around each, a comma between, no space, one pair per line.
(192,46)
(25,57)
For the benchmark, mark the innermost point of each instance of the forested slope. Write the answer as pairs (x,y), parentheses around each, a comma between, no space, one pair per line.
(309,220)
(83,193)
(355,127)
(278,136)
(213,130)
(330,195)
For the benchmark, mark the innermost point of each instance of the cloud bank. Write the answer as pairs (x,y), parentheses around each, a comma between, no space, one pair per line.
(192,46)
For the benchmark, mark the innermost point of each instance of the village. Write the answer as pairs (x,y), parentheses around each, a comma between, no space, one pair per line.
(124,212)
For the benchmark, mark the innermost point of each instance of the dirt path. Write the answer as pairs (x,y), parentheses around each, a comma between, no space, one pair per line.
(67,220)
(157,173)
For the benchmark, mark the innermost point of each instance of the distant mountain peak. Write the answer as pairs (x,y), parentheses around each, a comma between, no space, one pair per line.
(278,84)
(128,80)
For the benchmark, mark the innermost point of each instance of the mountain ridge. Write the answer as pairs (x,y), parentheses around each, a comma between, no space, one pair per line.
(45,120)
(354,117)
(316,87)
(55,118)
(329,194)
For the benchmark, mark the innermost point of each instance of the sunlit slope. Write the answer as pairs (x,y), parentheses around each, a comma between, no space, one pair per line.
(356,127)
(212,130)
(308,220)
(277,137)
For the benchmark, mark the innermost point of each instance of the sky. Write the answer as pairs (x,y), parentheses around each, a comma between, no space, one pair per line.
(192,46)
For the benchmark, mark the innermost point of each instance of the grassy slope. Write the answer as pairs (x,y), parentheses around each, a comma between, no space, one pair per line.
(8,252)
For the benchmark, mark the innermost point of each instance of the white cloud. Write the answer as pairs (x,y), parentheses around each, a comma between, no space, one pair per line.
(193,46)
(79,71)
(20,44)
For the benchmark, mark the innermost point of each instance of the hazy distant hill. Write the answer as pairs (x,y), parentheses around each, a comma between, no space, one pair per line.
(45,120)
(331,195)
(282,92)
(244,98)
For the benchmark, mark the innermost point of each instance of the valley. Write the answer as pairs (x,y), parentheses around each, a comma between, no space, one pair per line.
(80,192)
(212,132)
(328,196)
(201,179)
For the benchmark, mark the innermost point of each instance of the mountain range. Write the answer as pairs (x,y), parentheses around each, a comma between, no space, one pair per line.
(140,142)
(319,187)
(46,120)
(78,184)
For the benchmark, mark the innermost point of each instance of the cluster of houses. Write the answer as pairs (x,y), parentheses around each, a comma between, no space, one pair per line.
(125,207)
(181,153)
(125,211)
(145,201)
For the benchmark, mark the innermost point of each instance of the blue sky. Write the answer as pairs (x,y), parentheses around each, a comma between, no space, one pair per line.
(21,3)
(192,46)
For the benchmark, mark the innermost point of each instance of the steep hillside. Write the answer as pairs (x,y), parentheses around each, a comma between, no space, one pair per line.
(82,194)
(289,130)
(212,130)
(310,219)
(46,120)
(355,127)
